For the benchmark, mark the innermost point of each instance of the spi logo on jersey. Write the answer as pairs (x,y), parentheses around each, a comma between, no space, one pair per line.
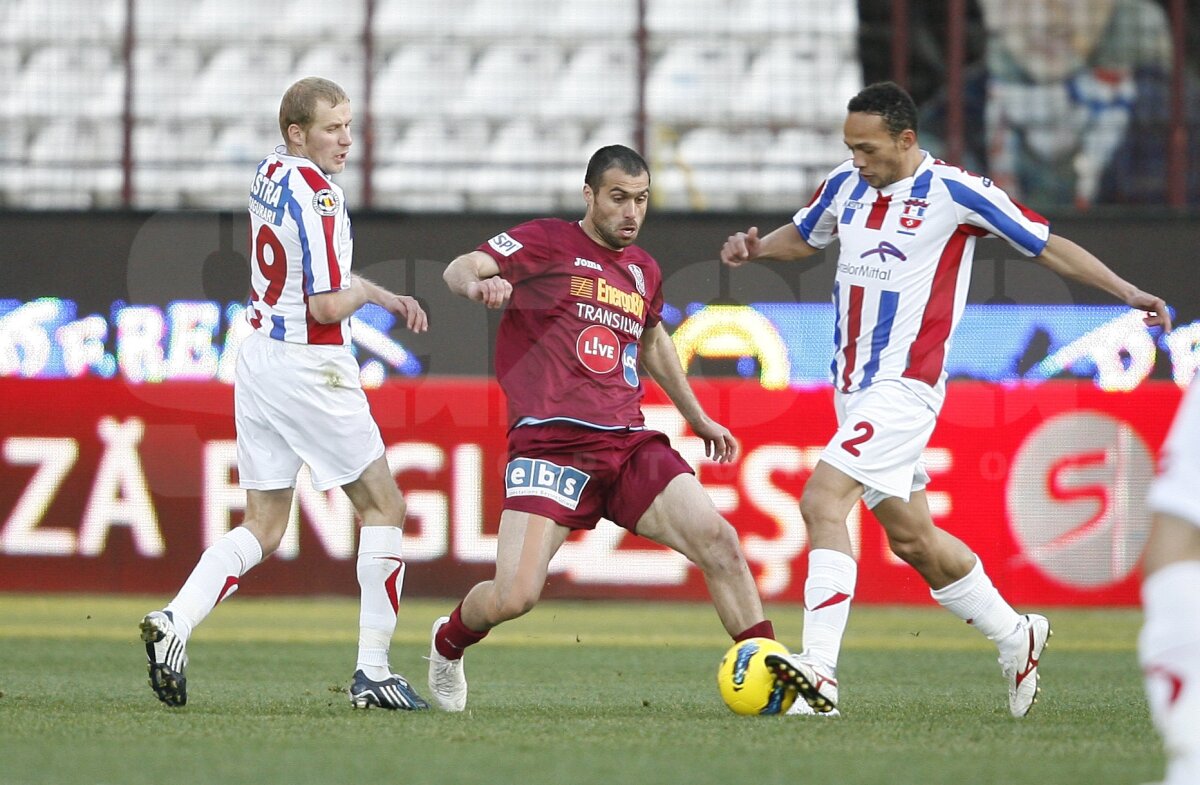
(505,245)
(913,216)
(325,202)
(538,477)
(629,357)
(597,348)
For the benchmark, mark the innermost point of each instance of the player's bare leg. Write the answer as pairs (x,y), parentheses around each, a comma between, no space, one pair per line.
(682,517)
(958,582)
(525,545)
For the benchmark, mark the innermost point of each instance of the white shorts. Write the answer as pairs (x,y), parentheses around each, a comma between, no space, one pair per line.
(1176,491)
(881,434)
(294,403)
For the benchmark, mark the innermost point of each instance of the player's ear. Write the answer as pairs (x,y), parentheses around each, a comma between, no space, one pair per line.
(295,135)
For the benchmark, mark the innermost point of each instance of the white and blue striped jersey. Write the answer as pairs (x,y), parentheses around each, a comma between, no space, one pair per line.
(904,265)
(300,245)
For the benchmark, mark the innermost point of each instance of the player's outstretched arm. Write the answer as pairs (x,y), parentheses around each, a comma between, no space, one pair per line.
(662,363)
(1073,261)
(784,244)
(332,307)
(476,276)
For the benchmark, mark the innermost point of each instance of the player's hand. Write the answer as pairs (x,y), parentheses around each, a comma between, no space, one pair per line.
(741,247)
(1157,316)
(719,444)
(411,311)
(492,292)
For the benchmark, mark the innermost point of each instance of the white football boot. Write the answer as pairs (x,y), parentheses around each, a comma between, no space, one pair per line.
(447,679)
(1019,658)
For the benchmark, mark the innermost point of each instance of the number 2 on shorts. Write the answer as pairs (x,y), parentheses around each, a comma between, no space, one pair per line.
(865,431)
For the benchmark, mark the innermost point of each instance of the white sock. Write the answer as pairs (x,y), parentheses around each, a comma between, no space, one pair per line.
(214,578)
(1169,652)
(975,600)
(827,593)
(381,578)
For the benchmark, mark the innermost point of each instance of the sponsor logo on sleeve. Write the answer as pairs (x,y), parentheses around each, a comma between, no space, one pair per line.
(536,477)
(598,348)
(505,245)
(325,202)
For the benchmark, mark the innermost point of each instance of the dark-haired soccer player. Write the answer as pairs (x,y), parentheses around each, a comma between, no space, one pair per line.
(907,226)
(583,311)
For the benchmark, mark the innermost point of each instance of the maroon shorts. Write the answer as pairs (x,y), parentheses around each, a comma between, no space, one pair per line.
(574,475)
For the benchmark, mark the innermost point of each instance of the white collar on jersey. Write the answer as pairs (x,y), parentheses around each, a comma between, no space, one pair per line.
(282,152)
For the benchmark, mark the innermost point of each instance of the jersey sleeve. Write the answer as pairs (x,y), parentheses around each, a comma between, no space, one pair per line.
(319,210)
(817,220)
(982,204)
(521,252)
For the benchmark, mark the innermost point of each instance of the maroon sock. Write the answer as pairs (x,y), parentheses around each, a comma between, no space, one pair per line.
(761,630)
(454,636)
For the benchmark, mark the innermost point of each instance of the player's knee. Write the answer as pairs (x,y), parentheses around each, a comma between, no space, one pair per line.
(722,551)
(513,601)
(817,509)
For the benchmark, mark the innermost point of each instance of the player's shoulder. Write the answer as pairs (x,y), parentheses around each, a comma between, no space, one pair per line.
(950,173)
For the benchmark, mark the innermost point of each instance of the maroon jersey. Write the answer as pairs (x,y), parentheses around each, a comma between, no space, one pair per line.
(568,342)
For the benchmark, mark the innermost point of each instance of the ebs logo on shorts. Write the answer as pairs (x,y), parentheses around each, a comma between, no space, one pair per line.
(536,477)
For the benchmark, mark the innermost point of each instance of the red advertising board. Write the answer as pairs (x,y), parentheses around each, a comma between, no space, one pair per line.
(111,487)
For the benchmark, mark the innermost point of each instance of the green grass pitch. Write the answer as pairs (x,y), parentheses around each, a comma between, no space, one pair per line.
(573,693)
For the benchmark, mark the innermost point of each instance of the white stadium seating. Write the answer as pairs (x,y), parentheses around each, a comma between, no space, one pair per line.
(474,104)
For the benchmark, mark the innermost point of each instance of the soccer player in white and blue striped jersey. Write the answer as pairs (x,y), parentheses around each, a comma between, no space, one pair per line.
(907,226)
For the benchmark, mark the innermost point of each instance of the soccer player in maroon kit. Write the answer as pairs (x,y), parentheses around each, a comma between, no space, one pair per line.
(583,308)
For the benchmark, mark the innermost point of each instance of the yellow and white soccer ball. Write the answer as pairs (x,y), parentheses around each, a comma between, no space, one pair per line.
(747,685)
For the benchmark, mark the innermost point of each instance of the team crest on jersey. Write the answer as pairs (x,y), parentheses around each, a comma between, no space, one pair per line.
(325,202)
(913,215)
(639,280)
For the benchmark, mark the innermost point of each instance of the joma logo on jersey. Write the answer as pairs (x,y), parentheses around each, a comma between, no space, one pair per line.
(588,263)
(626,301)
(537,477)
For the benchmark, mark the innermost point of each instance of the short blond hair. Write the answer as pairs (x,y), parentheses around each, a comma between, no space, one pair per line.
(299,104)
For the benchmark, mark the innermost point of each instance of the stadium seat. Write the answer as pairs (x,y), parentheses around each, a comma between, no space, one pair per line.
(805,147)
(800,83)
(65,82)
(695,82)
(220,22)
(406,20)
(164,78)
(68,142)
(521,19)
(691,18)
(420,80)
(509,79)
(800,18)
(439,141)
(320,21)
(612,131)
(342,64)
(163,142)
(525,142)
(245,143)
(243,80)
(600,81)
(36,22)
(587,21)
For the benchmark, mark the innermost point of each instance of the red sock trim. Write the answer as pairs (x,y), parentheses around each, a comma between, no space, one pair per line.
(454,637)
(764,629)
